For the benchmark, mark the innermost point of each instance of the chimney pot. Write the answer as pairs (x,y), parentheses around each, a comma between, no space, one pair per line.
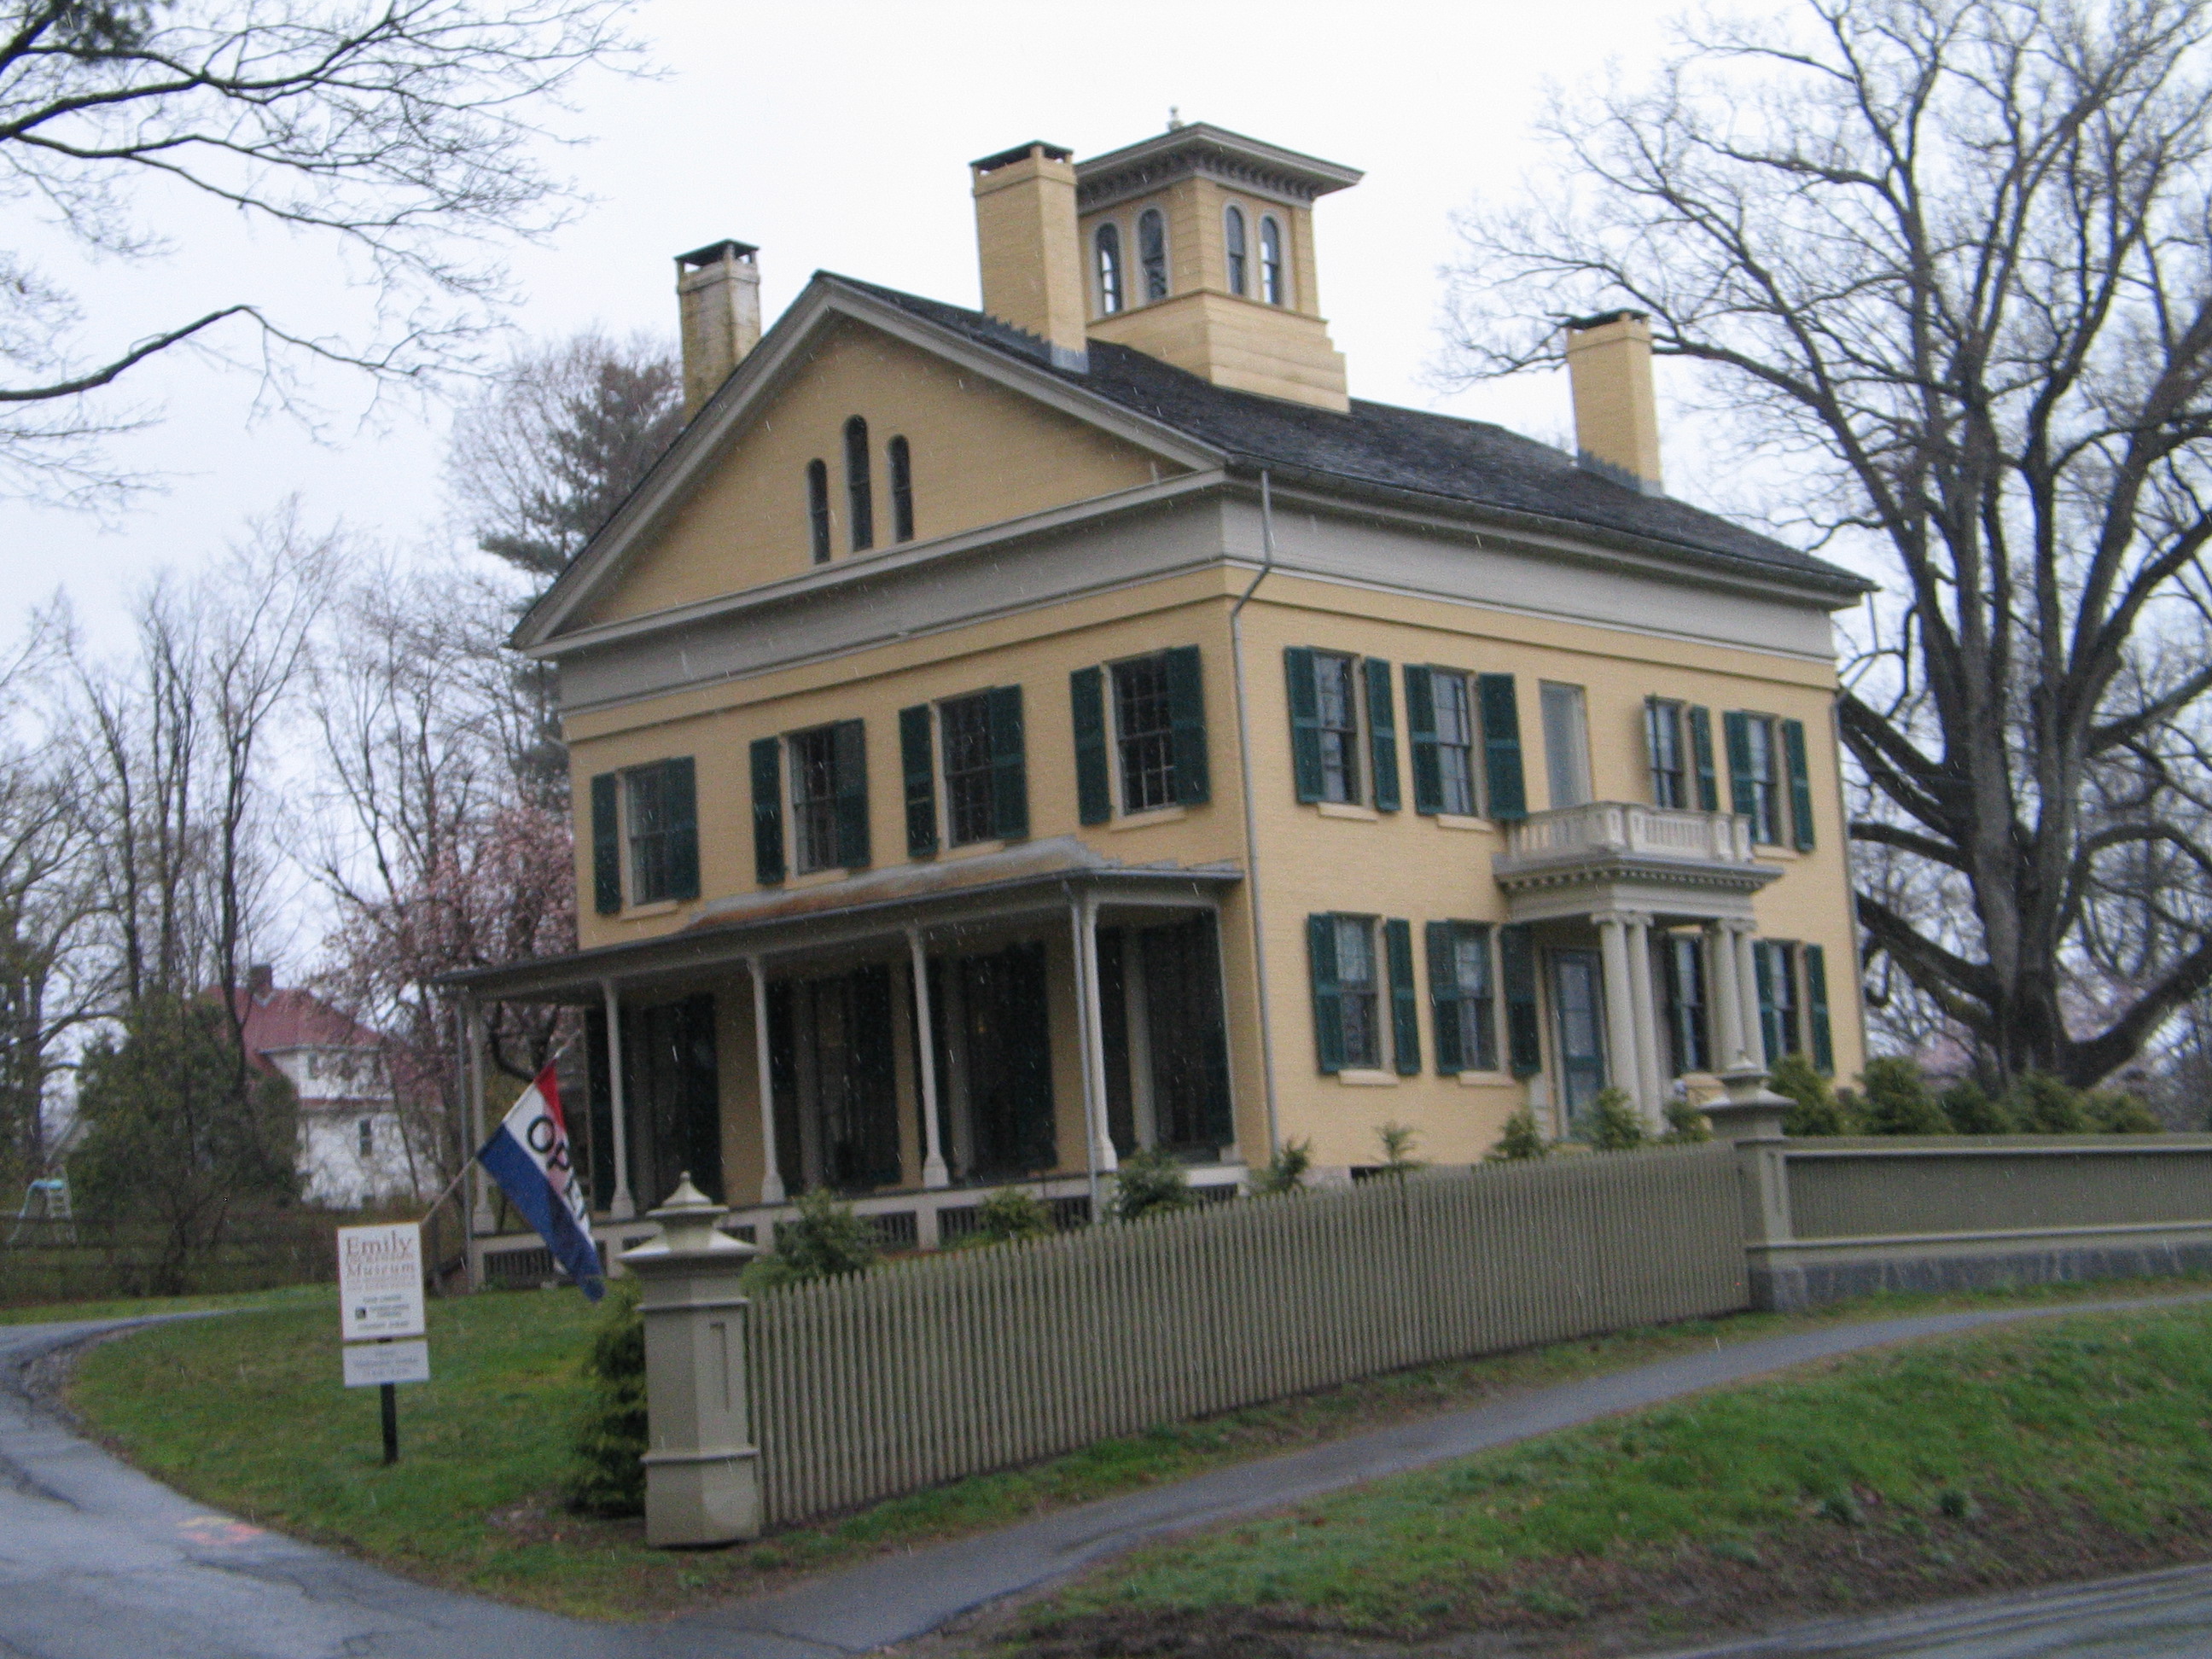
(1030,251)
(260,980)
(1616,413)
(718,297)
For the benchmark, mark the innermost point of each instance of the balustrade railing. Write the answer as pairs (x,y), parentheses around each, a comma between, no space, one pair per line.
(1625,826)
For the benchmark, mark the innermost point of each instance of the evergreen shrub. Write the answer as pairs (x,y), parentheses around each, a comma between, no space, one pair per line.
(1521,1142)
(825,1240)
(2116,1112)
(1615,1128)
(2043,1105)
(1814,1109)
(1285,1171)
(1686,1124)
(1897,1101)
(1150,1183)
(1008,1217)
(1971,1110)
(607,1477)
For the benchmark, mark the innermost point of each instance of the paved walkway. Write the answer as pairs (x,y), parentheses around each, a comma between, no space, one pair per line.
(97,1560)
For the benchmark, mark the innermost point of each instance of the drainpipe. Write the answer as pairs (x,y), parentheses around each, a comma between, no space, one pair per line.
(1251,825)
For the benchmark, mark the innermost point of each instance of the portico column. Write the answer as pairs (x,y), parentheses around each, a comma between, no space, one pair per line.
(1646,1006)
(1720,955)
(934,1172)
(765,1084)
(1619,1002)
(622,1206)
(1747,991)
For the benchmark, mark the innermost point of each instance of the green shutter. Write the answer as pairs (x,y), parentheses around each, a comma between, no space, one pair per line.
(1516,967)
(1421,741)
(849,739)
(1742,799)
(1769,1018)
(1094,795)
(768,811)
(1502,789)
(1187,716)
(607,843)
(1404,997)
(1010,772)
(1382,734)
(682,796)
(1328,998)
(1305,721)
(1816,1009)
(1444,989)
(1801,786)
(1701,759)
(918,766)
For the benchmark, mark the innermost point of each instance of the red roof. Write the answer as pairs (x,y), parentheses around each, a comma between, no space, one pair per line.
(298,1019)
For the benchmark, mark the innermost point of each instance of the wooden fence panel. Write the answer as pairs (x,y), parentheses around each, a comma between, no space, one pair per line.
(960,1363)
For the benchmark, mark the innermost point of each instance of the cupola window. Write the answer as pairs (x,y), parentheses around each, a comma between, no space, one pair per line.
(860,493)
(818,508)
(1233,234)
(902,460)
(1271,260)
(1109,244)
(1152,252)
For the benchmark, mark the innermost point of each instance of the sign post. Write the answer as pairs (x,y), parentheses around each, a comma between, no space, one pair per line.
(380,1307)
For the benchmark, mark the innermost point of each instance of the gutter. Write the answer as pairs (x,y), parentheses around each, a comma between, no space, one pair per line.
(1251,825)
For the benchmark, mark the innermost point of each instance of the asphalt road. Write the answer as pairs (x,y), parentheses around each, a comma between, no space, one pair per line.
(98,1561)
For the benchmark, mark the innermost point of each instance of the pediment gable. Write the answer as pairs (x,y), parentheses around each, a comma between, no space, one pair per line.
(728,510)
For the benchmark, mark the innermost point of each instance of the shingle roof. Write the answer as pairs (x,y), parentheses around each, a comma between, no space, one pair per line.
(1385,446)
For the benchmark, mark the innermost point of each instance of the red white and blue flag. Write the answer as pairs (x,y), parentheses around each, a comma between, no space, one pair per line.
(528,1155)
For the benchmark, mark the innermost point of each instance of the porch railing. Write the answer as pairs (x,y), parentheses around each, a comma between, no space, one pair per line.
(1611,826)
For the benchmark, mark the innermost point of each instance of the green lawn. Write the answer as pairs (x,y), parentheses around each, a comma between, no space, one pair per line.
(248,1413)
(2047,1451)
(42,1313)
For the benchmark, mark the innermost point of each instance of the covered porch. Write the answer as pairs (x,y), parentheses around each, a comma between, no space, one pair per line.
(1643,921)
(910,1039)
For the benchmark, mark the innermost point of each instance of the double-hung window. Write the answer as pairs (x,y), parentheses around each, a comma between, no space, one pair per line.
(814,798)
(985,779)
(1667,744)
(1775,964)
(1769,778)
(1455,707)
(1354,961)
(1139,734)
(1357,991)
(1759,793)
(1566,743)
(1143,733)
(965,725)
(1462,996)
(652,834)
(1152,253)
(1336,703)
(644,835)
(1683,984)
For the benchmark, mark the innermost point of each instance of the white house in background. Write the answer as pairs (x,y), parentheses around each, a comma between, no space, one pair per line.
(351,1150)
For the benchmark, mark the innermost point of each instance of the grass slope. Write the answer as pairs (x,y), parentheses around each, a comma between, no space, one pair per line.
(2055,1450)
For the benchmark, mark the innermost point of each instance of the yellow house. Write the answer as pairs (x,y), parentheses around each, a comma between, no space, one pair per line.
(1005,739)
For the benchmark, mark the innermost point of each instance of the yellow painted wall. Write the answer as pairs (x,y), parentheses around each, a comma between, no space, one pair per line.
(982,454)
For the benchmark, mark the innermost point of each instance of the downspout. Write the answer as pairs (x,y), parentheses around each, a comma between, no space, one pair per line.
(1251,823)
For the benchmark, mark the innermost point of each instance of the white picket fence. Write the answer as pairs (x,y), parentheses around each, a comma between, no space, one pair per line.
(961,1363)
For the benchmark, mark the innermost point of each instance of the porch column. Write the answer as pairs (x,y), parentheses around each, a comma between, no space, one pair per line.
(1747,991)
(1646,1006)
(764,1064)
(934,1172)
(1620,1045)
(1720,958)
(1097,1146)
(622,1206)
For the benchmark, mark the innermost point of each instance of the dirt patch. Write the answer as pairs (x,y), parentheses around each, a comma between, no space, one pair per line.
(1636,1600)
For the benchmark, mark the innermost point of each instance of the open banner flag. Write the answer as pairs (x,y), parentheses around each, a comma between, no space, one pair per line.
(528,1155)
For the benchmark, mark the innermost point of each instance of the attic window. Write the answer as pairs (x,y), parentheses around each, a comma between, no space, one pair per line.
(1109,244)
(818,508)
(859,490)
(1152,252)
(1271,260)
(1232,224)
(902,460)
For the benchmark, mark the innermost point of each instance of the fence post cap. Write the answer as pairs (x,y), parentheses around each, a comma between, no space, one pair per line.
(689,1232)
(1750,1110)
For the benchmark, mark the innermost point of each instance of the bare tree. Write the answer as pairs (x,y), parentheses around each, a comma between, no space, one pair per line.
(1948,261)
(405,135)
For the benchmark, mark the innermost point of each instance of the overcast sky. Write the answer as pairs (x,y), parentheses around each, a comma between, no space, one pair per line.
(836,135)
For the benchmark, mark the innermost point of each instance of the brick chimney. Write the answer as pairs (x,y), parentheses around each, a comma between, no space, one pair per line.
(260,980)
(1616,416)
(1031,257)
(718,295)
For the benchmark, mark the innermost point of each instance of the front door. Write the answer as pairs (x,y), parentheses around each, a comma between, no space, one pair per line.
(1578,995)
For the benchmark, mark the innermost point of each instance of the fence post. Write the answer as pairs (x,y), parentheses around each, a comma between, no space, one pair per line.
(702,1470)
(1751,1116)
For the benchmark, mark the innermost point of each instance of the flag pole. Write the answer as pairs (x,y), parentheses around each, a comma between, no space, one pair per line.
(470,1162)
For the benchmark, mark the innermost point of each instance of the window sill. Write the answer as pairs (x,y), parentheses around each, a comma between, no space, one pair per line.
(1146,819)
(1454,821)
(640,912)
(1338,809)
(1485,1080)
(812,878)
(1352,1079)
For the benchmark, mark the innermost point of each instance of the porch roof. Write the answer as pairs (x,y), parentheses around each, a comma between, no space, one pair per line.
(1036,878)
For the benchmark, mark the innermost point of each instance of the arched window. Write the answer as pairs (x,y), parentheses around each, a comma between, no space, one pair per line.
(1232,225)
(1152,252)
(818,508)
(1109,244)
(902,491)
(1271,285)
(860,494)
